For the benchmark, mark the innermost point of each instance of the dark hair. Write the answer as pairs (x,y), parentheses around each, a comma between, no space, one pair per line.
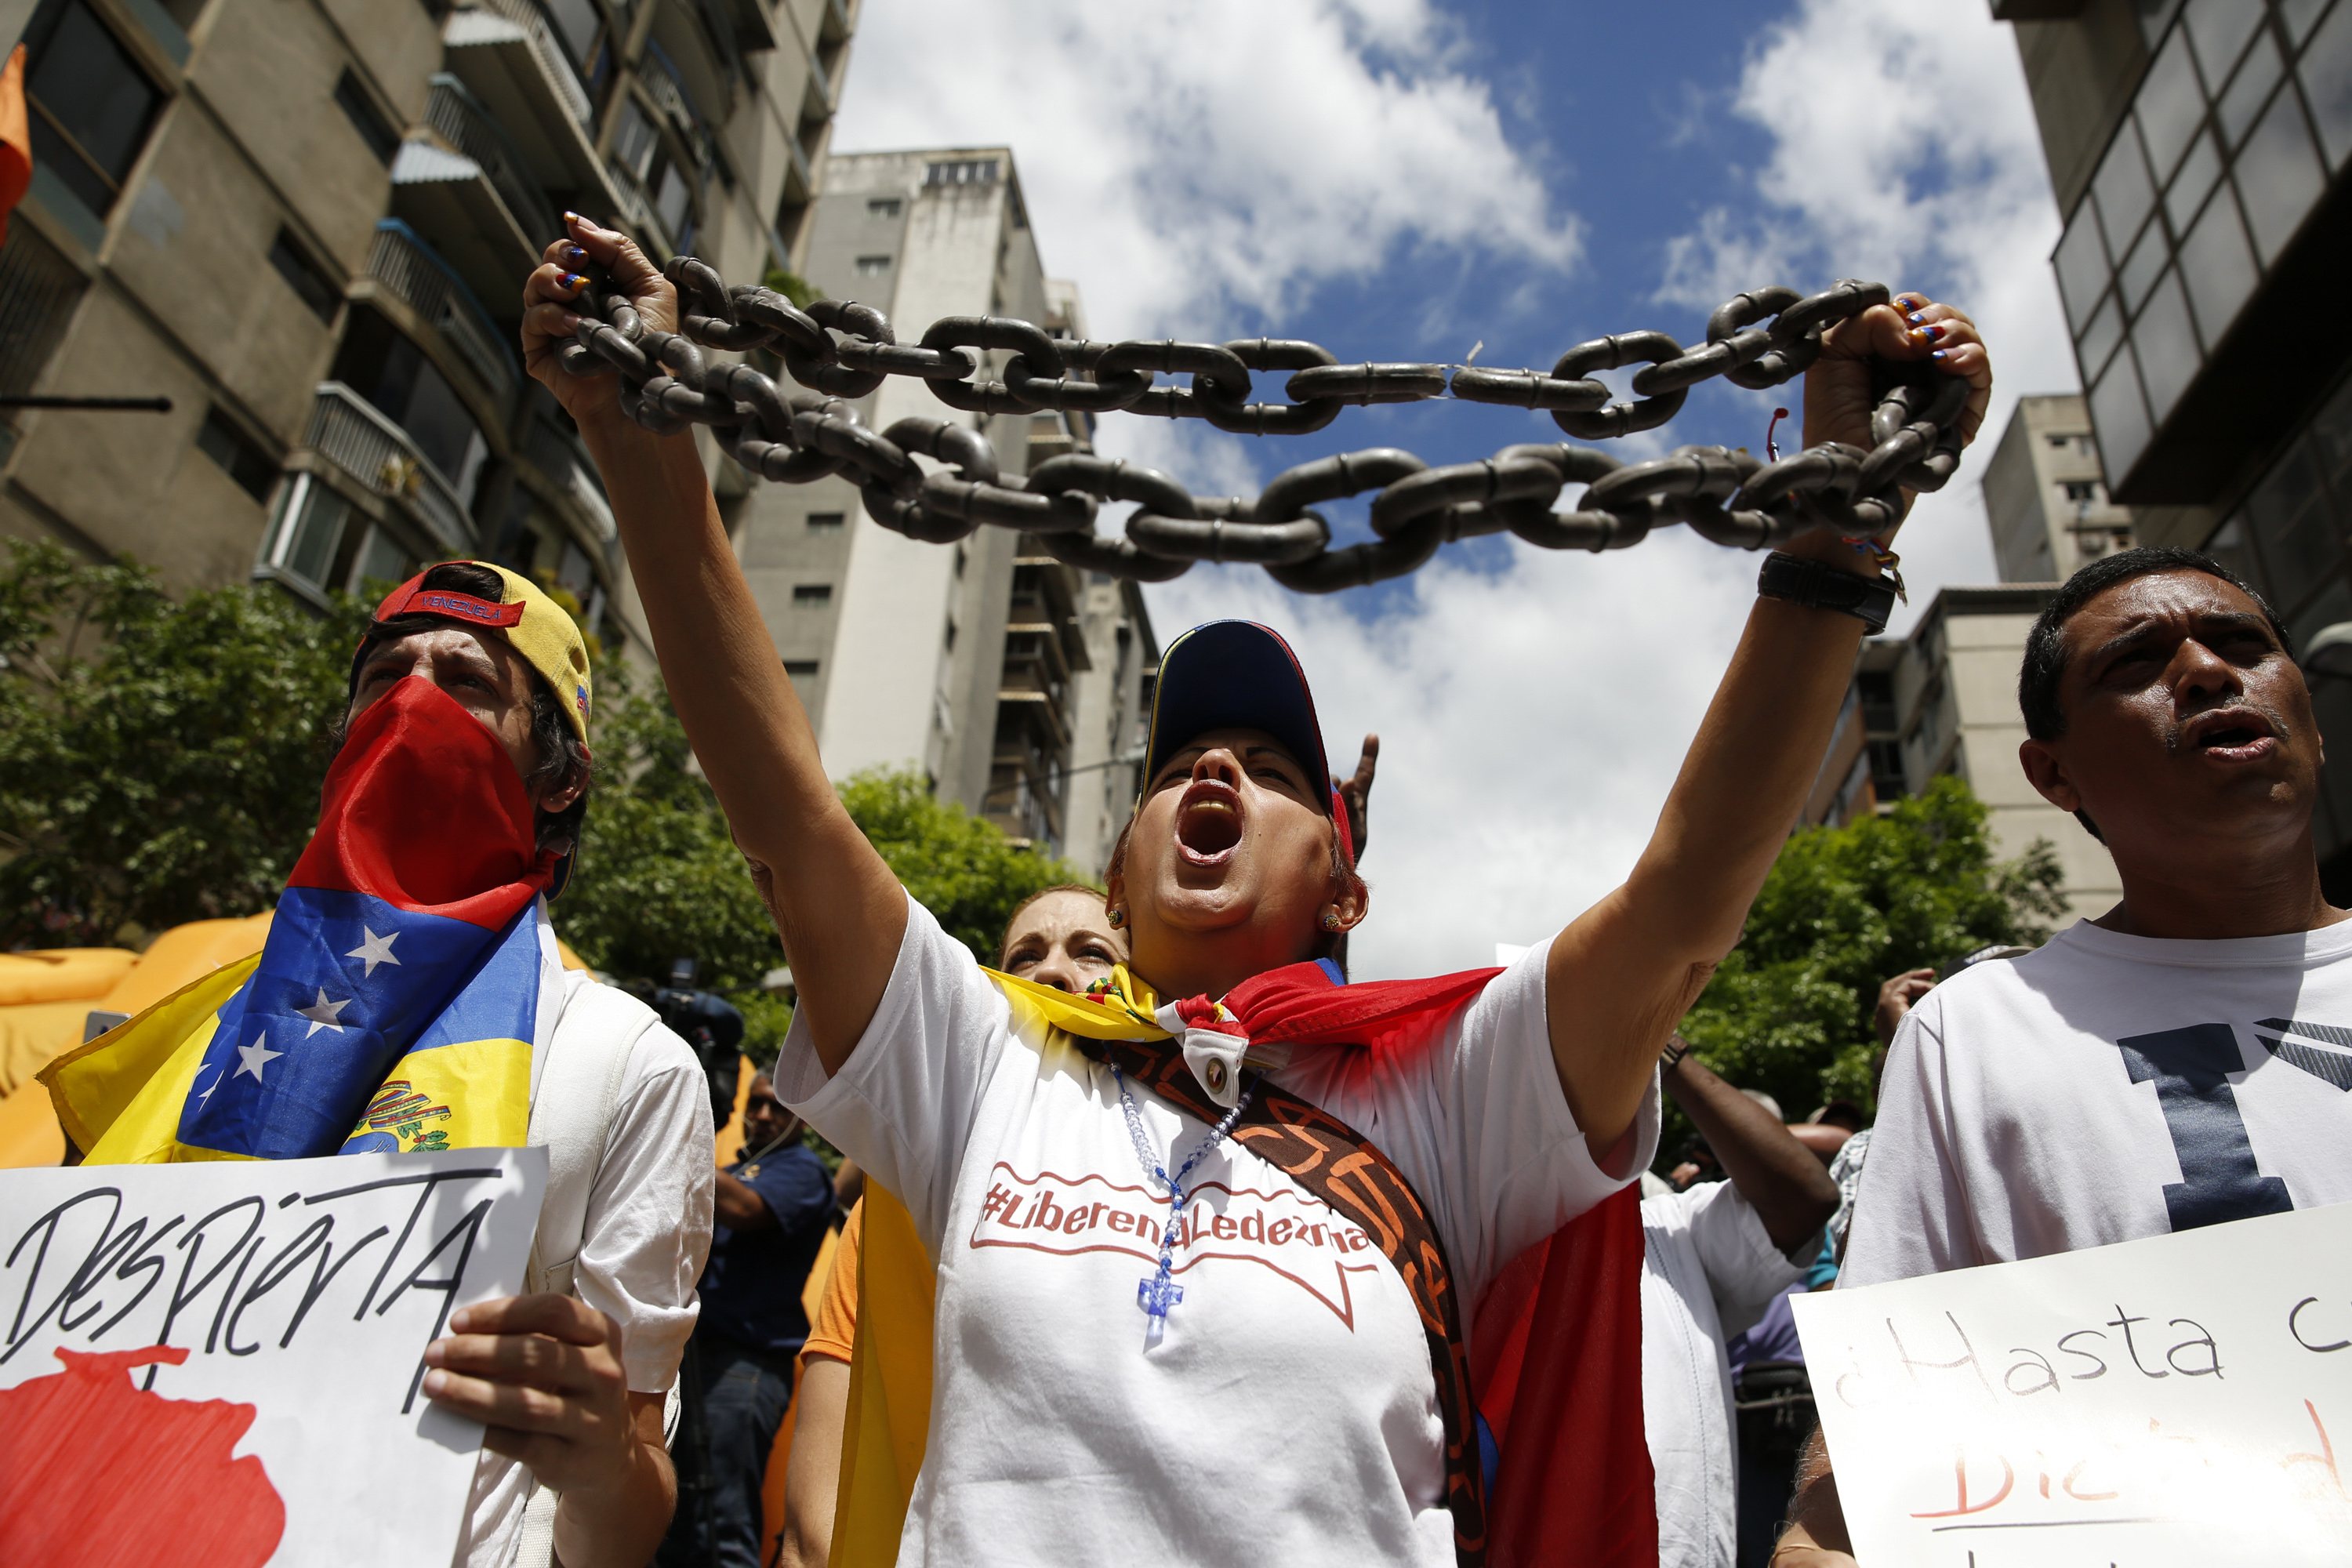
(561,755)
(2044,664)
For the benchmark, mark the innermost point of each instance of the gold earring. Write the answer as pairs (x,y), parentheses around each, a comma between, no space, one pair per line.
(1330,920)
(1118,918)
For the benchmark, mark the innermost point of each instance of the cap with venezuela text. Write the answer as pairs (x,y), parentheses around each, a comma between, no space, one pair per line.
(1238,675)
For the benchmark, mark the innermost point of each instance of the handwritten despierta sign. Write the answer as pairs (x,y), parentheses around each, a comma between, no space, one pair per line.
(226,1357)
(2185,1399)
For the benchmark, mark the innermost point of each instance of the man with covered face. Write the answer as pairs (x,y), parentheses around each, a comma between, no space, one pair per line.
(410,996)
(2180,1060)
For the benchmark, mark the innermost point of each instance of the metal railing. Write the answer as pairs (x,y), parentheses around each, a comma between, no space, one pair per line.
(351,434)
(458,118)
(37,291)
(413,270)
(551,56)
(660,74)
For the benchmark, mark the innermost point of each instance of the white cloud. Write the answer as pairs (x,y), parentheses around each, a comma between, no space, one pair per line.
(1187,163)
(1903,148)
(1190,167)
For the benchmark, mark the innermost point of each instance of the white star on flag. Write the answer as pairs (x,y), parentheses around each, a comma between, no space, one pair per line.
(254,1057)
(375,950)
(323,1013)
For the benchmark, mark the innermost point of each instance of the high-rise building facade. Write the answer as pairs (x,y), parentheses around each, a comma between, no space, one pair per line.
(988,667)
(2045,497)
(2201,156)
(1943,700)
(307,222)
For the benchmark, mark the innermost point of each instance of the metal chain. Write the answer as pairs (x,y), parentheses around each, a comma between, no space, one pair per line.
(837,350)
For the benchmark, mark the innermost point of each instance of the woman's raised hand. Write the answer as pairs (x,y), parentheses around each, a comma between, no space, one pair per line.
(1838,393)
(550,316)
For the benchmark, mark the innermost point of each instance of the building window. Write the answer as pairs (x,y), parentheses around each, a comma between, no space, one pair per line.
(826,522)
(800,668)
(951,637)
(308,542)
(91,105)
(305,277)
(394,374)
(960,172)
(873,266)
(366,119)
(238,457)
(959,560)
(2081,492)
(884,206)
(38,290)
(812,593)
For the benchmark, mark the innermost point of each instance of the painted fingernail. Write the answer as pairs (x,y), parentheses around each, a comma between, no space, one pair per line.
(1931,332)
(574,217)
(1938,355)
(573,252)
(573,282)
(1913,318)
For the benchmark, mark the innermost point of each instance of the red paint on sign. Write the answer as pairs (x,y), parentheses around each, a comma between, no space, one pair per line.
(95,1471)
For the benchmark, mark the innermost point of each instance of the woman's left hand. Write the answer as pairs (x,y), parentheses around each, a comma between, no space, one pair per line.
(1838,393)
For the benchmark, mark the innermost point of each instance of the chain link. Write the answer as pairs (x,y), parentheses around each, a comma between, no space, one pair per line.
(837,351)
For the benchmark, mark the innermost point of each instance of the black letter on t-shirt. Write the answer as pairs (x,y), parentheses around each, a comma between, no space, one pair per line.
(2190,1070)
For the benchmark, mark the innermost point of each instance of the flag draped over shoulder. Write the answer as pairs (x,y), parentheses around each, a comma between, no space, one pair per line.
(396,1005)
(1563,1319)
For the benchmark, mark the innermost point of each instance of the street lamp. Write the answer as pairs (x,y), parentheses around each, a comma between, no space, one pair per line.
(2330,652)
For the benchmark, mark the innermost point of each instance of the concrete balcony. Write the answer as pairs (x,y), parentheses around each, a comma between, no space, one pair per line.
(505,55)
(663,84)
(461,182)
(402,265)
(350,437)
(838,23)
(705,62)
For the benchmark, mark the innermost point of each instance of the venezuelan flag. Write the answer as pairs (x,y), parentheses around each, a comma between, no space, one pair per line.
(405,982)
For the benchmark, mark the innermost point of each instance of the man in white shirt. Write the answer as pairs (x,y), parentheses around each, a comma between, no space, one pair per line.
(2184,1060)
(1714,1255)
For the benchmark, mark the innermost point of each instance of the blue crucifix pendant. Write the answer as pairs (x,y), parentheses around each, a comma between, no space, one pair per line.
(1155,1293)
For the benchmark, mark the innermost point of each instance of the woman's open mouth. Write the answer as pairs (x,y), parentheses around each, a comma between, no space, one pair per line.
(1208,821)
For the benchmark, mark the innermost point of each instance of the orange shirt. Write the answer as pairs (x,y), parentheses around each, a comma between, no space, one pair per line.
(834,1330)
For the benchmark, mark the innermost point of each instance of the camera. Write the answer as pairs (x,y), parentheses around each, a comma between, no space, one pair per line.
(713,1027)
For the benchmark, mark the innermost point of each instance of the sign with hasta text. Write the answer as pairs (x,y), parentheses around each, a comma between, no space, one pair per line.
(2180,1400)
(218,1364)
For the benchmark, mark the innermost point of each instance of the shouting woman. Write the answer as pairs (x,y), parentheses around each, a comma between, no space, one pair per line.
(1203,1250)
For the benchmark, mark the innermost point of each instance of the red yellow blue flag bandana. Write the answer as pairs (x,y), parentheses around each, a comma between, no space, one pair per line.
(401,991)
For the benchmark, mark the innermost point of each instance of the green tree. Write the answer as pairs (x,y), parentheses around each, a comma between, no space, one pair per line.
(962,869)
(1789,1010)
(159,760)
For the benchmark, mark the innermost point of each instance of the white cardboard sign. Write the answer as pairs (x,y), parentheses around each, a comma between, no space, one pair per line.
(296,1297)
(2181,1400)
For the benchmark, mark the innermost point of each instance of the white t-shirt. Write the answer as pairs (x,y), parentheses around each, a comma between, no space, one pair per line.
(2105,1088)
(641,1250)
(1290,1414)
(1708,1271)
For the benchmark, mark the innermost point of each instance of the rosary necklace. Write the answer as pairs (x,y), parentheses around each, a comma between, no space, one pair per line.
(1156,1292)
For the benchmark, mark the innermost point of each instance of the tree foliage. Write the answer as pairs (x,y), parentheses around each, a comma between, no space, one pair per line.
(1789,1010)
(160,761)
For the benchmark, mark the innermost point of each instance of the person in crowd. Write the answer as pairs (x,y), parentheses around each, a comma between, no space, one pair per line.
(1301,1392)
(415,925)
(1896,995)
(774,1206)
(1057,937)
(2164,708)
(1716,1255)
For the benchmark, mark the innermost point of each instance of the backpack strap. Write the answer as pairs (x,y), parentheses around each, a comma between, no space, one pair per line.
(1347,1171)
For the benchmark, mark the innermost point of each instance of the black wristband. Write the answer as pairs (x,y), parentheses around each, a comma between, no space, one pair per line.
(1869,600)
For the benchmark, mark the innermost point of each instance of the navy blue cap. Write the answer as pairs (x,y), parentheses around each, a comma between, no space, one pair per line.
(1233,675)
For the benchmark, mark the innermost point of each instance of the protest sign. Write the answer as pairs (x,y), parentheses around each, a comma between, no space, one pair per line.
(2184,1399)
(219,1363)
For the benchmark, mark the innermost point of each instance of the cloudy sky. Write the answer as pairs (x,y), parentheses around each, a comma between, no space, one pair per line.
(1403,180)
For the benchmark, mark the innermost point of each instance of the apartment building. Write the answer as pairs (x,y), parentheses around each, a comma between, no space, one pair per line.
(1941,700)
(2199,156)
(2045,497)
(307,223)
(989,666)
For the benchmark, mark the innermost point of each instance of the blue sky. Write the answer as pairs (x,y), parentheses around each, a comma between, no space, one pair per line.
(1401,179)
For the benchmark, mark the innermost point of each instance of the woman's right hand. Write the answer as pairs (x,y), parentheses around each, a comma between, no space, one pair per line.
(550,317)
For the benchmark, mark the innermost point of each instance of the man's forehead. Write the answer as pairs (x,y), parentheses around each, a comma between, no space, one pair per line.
(2154,595)
(448,635)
